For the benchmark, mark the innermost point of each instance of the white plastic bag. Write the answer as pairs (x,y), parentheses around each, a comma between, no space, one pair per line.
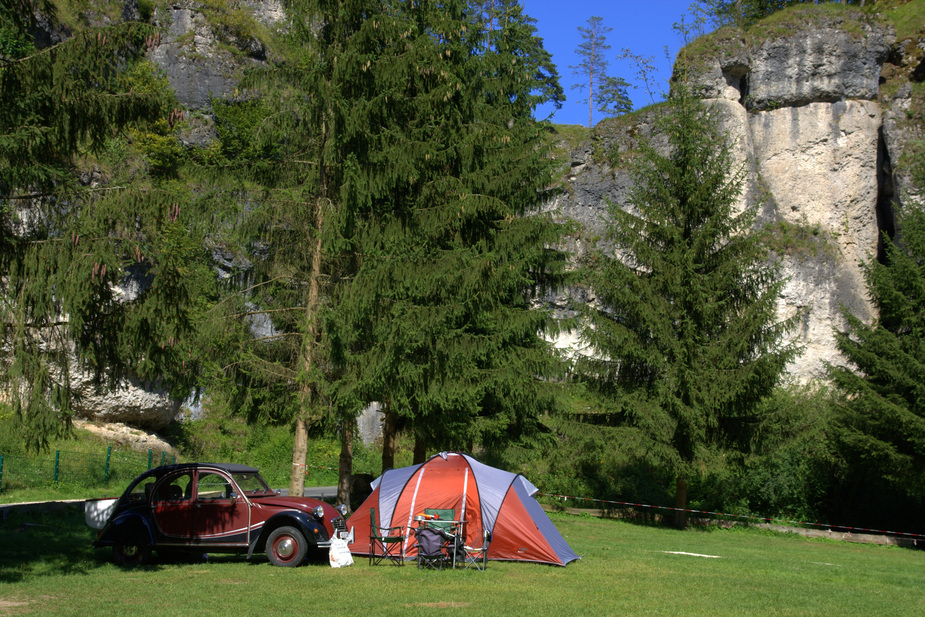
(339,554)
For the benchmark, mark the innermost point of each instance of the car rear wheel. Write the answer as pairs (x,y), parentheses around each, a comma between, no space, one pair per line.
(286,546)
(131,548)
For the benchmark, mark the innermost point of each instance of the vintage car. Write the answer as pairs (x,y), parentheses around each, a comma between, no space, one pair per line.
(216,508)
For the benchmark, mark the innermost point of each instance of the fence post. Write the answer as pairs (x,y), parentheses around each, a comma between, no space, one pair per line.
(1,473)
(57,462)
(149,459)
(163,458)
(106,472)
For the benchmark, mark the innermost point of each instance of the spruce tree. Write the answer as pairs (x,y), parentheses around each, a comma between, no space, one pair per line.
(389,152)
(685,339)
(443,332)
(98,277)
(883,384)
(592,70)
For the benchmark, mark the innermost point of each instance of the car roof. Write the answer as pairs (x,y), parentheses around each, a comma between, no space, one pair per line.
(229,467)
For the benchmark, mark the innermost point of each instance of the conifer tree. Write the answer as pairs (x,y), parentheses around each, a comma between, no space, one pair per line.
(390,153)
(685,339)
(443,331)
(883,417)
(68,247)
(592,70)
(282,192)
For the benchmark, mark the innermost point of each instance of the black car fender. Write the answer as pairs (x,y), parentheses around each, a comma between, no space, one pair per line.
(313,530)
(130,522)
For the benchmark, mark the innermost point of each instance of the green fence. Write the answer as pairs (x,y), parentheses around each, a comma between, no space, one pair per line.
(78,469)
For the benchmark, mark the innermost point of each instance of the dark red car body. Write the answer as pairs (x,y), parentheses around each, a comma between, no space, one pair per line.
(216,508)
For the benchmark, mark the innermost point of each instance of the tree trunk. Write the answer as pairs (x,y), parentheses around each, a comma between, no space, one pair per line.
(309,347)
(420,451)
(388,438)
(680,504)
(299,451)
(590,99)
(345,469)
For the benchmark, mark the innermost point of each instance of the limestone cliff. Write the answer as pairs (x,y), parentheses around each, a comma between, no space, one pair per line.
(801,100)
(820,104)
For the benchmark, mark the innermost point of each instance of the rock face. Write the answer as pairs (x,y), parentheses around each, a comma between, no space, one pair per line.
(132,403)
(196,51)
(803,106)
(803,114)
(830,58)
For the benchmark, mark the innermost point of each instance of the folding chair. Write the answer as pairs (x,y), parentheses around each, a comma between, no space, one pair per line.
(440,518)
(431,546)
(384,542)
(444,519)
(477,556)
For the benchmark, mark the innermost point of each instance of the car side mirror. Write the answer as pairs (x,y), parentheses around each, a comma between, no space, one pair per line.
(232,496)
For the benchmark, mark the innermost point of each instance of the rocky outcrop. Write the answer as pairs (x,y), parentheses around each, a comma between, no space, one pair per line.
(803,102)
(131,402)
(802,112)
(204,54)
(829,58)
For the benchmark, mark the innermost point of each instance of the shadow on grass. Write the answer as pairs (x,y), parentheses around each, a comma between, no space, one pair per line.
(39,544)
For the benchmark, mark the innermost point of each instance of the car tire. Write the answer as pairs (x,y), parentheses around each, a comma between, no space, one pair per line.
(286,546)
(131,548)
(131,554)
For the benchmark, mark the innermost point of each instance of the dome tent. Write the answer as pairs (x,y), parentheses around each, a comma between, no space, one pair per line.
(484,497)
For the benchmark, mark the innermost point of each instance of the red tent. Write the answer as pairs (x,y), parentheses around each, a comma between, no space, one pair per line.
(482,496)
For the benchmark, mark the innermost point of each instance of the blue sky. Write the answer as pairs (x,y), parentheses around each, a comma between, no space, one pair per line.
(643,26)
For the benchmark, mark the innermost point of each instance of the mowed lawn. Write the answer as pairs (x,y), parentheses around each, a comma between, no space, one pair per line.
(47,567)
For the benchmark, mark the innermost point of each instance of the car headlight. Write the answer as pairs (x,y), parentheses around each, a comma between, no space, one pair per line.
(318,512)
(342,508)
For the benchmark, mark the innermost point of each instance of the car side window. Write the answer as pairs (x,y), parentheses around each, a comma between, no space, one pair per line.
(212,486)
(176,488)
(141,491)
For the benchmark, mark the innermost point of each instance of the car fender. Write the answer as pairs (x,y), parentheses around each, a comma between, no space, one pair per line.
(134,520)
(315,533)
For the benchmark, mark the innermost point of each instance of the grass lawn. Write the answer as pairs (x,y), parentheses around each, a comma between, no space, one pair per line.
(47,567)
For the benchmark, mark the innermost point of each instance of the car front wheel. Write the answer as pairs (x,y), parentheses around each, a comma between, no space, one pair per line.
(286,546)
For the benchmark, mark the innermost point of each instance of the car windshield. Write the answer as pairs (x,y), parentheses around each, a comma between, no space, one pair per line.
(252,483)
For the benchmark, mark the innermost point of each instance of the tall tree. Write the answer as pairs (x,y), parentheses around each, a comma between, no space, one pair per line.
(884,383)
(685,341)
(442,329)
(285,153)
(387,218)
(592,70)
(70,248)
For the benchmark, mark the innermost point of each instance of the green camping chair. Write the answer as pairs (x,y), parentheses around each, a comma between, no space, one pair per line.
(384,542)
(444,519)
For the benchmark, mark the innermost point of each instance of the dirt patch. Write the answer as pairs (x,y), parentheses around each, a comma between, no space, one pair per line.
(12,607)
(440,604)
(123,435)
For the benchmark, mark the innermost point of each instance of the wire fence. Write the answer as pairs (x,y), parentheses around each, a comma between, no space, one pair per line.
(76,468)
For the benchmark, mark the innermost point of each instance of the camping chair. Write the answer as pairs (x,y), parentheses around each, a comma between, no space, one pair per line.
(440,518)
(444,520)
(384,542)
(431,546)
(477,556)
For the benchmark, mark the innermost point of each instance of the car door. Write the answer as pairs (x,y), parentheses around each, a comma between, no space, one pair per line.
(222,513)
(172,506)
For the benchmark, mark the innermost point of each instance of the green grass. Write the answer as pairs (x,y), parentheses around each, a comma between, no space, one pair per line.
(48,568)
(907,17)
